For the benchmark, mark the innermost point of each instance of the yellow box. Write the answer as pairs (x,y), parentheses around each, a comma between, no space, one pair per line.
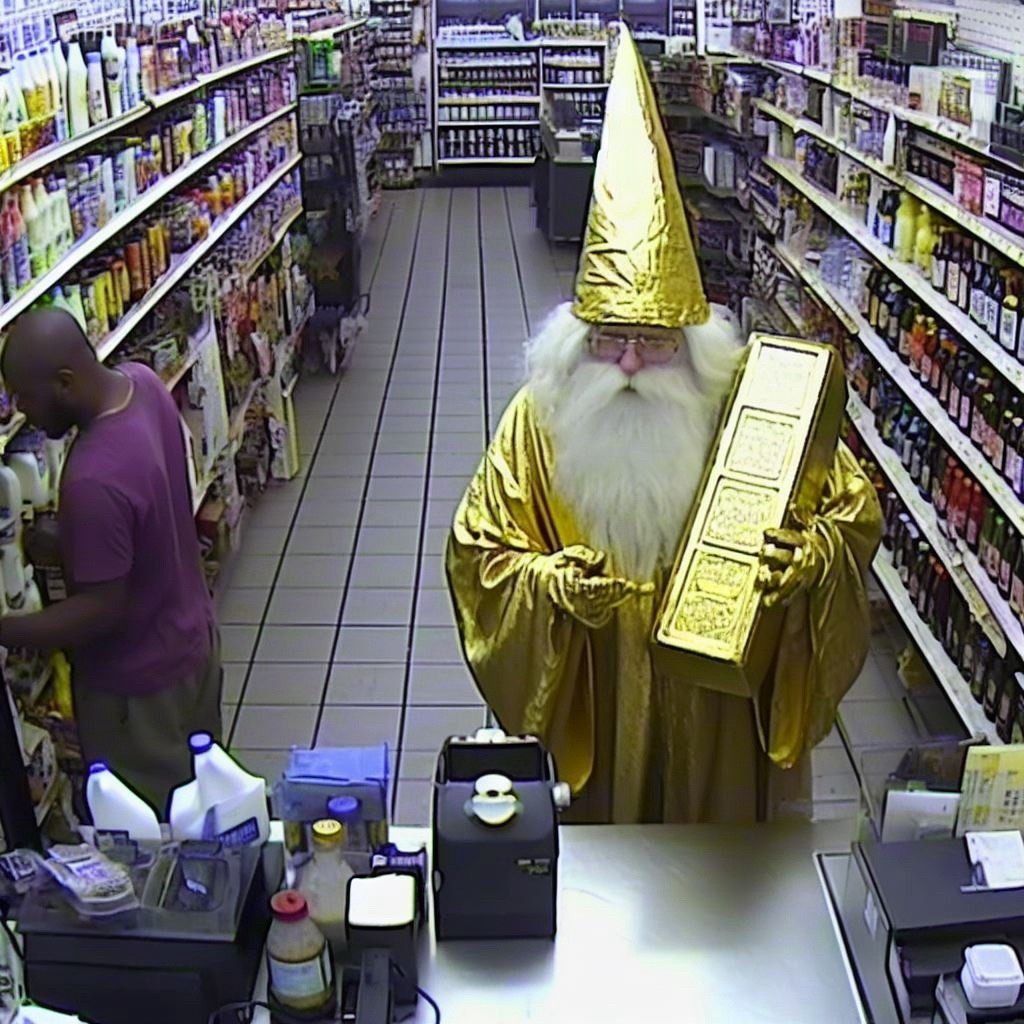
(774,448)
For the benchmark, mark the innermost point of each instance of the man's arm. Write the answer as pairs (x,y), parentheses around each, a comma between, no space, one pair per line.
(82,618)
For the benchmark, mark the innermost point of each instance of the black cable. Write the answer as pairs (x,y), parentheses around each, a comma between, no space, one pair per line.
(425,995)
(249,1006)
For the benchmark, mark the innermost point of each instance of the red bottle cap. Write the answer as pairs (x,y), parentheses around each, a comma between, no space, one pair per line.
(289,905)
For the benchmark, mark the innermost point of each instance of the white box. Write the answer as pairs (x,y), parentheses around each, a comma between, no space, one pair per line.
(991,975)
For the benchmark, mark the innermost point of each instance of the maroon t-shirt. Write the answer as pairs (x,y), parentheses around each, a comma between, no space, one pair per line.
(126,511)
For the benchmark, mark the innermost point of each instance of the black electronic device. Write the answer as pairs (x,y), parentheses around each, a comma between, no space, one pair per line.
(177,958)
(495,838)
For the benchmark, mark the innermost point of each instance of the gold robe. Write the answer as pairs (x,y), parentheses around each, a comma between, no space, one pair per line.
(636,745)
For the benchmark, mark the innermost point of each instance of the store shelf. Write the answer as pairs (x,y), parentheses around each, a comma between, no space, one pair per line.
(237,427)
(323,34)
(181,266)
(1007,243)
(202,489)
(952,683)
(926,403)
(908,274)
(289,218)
(576,87)
(475,101)
(486,160)
(813,280)
(486,124)
(42,158)
(485,44)
(923,513)
(196,348)
(91,243)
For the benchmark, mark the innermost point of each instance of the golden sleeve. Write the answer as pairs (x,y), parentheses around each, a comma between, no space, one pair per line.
(530,660)
(826,629)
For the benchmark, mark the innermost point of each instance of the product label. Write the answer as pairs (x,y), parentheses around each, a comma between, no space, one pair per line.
(303,980)
(242,834)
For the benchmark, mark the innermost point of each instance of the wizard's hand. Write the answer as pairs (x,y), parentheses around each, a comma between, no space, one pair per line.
(791,561)
(576,586)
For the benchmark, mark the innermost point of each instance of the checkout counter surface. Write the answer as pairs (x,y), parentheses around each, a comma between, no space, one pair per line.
(663,923)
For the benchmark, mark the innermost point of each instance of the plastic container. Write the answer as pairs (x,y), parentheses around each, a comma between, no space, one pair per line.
(97,94)
(117,808)
(225,801)
(78,91)
(325,881)
(991,976)
(298,957)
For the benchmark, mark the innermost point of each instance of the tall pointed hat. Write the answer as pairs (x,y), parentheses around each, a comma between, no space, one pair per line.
(638,265)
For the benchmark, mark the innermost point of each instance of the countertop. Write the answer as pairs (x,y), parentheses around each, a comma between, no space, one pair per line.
(663,923)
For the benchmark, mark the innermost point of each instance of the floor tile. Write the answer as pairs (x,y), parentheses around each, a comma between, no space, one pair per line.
(234,680)
(403,444)
(403,488)
(393,512)
(436,645)
(328,466)
(468,442)
(300,683)
(417,764)
(305,606)
(270,764)
(377,607)
(348,726)
(263,540)
(448,488)
(242,605)
(389,571)
(434,607)
(314,571)
(426,728)
(237,642)
(412,806)
(335,488)
(266,727)
(254,571)
(328,513)
(372,644)
(295,644)
(367,683)
(322,540)
(388,540)
(443,684)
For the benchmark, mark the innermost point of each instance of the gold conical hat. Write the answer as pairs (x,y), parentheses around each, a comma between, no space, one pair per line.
(638,265)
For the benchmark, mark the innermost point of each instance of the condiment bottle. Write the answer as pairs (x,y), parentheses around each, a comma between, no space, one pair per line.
(325,881)
(298,957)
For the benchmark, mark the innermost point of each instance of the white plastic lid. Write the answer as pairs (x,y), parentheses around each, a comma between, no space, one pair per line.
(382,901)
(200,742)
(994,964)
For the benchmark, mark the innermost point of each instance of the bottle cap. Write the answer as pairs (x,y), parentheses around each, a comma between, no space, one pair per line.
(98,766)
(343,808)
(328,832)
(289,905)
(200,742)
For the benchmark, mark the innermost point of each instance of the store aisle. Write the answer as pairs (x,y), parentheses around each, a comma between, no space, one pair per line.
(337,627)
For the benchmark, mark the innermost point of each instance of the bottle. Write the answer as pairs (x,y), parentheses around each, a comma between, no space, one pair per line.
(953,271)
(115,807)
(939,260)
(996,547)
(233,801)
(78,91)
(34,229)
(45,208)
(1009,324)
(324,881)
(905,228)
(1017,584)
(98,112)
(298,958)
(1007,560)
(979,523)
(60,67)
(924,239)
(1006,707)
(133,74)
(113,68)
(995,683)
(980,666)
(18,234)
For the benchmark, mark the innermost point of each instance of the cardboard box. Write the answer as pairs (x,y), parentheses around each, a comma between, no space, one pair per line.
(775,446)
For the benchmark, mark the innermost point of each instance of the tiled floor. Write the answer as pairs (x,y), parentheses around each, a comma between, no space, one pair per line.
(337,627)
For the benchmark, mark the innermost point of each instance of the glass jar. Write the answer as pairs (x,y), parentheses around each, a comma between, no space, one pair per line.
(298,956)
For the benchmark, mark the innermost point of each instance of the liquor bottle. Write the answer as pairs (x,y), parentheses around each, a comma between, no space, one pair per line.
(976,297)
(997,291)
(995,681)
(879,290)
(897,302)
(956,383)
(909,442)
(942,485)
(1008,323)
(1017,726)
(967,394)
(929,351)
(1017,583)
(869,290)
(940,258)
(885,305)
(1000,441)
(996,546)
(968,650)
(963,296)
(959,506)
(916,563)
(952,287)
(905,337)
(1006,706)
(938,610)
(1011,457)
(1007,560)
(892,506)
(943,366)
(979,524)
(980,667)
(981,413)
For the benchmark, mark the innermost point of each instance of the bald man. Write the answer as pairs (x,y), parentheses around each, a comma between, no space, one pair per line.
(138,621)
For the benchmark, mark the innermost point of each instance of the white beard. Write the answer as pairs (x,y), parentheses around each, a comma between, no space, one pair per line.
(629,452)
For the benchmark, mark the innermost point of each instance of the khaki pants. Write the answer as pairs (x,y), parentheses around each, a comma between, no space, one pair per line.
(145,739)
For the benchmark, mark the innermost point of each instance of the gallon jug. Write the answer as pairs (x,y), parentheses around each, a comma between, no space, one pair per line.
(232,803)
(116,808)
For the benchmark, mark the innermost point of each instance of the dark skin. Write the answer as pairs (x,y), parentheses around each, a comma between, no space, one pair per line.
(49,366)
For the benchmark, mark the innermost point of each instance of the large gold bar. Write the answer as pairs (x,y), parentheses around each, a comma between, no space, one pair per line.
(775,445)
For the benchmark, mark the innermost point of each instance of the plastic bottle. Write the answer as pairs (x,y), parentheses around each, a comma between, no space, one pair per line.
(117,808)
(904,233)
(924,239)
(298,957)
(232,803)
(97,96)
(60,70)
(19,242)
(34,231)
(78,91)
(10,107)
(46,211)
(41,81)
(132,73)
(113,68)
(34,99)
(325,881)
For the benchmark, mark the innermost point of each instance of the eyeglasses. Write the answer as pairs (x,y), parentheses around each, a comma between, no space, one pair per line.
(651,350)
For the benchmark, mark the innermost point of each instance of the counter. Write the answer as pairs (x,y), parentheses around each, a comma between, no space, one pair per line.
(663,923)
